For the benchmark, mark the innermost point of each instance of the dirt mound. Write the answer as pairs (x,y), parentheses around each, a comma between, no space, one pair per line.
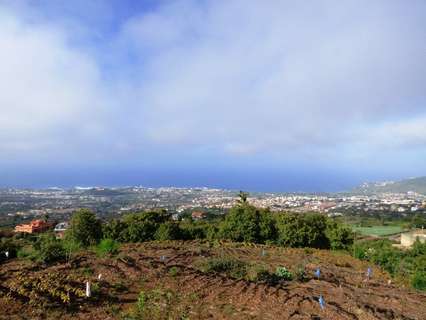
(165,281)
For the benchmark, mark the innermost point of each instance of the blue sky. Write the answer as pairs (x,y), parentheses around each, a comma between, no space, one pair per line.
(254,95)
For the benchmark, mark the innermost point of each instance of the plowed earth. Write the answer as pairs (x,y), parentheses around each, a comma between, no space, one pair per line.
(174,287)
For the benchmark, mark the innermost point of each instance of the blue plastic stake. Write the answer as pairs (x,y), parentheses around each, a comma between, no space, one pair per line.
(318,273)
(321,302)
(369,273)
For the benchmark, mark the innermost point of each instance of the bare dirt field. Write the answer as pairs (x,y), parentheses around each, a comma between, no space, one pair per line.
(166,280)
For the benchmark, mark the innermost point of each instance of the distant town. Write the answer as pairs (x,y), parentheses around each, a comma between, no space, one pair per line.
(23,205)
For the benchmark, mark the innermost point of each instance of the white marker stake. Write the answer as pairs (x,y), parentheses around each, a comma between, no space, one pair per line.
(88,292)
(7,254)
(100,276)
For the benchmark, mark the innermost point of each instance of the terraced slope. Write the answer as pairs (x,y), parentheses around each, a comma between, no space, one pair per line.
(173,286)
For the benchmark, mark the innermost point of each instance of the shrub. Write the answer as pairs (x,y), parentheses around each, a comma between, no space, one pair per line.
(418,280)
(300,273)
(167,231)
(114,229)
(302,230)
(70,246)
(10,245)
(191,230)
(259,273)
(141,302)
(142,226)
(339,236)
(85,228)
(232,267)
(26,252)
(48,249)
(107,247)
(173,271)
(283,273)
(246,223)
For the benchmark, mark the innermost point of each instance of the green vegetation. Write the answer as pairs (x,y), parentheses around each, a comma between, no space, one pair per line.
(85,228)
(246,223)
(243,223)
(232,267)
(406,266)
(253,272)
(379,231)
(107,247)
(157,303)
(284,274)
(48,249)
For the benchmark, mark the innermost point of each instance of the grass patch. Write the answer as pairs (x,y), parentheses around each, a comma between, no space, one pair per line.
(107,247)
(378,231)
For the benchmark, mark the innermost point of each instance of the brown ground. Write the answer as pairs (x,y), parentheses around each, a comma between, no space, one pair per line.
(177,289)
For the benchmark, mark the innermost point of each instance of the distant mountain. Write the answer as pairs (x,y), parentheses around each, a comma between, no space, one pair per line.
(413,184)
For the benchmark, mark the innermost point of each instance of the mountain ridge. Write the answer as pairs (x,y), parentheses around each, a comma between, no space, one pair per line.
(417,184)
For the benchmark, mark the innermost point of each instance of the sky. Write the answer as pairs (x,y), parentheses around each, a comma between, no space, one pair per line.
(237,94)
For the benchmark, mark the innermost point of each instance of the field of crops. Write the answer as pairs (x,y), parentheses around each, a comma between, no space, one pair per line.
(379,231)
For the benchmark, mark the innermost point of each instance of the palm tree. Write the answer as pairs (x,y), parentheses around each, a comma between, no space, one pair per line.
(243,197)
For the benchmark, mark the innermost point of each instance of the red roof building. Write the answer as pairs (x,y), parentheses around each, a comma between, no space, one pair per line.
(34,226)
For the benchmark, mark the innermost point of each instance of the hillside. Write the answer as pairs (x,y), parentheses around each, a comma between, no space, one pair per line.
(176,280)
(414,184)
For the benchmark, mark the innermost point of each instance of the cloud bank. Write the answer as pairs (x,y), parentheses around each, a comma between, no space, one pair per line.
(231,81)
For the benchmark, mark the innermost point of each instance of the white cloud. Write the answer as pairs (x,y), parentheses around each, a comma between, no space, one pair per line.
(225,77)
(50,98)
(251,76)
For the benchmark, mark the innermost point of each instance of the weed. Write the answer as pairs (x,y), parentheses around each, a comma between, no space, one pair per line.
(300,273)
(283,273)
(173,271)
(141,302)
(232,267)
(107,247)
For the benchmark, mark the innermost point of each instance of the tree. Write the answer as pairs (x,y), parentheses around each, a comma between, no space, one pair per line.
(302,230)
(167,231)
(143,226)
(48,249)
(242,197)
(114,229)
(418,221)
(248,223)
(339,236)
(85,228)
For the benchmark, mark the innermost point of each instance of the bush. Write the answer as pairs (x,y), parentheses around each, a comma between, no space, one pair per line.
(8,245)
(26,252)
(232,267)
(283,273)
(107,247)
(302,230)
(173,271)
(418,280)
(114,229)
(191,230)
(48,249)
(339,236)
(168,231)
(85,228)
(246,223)
(141,227)
(300,273)
(259,273)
